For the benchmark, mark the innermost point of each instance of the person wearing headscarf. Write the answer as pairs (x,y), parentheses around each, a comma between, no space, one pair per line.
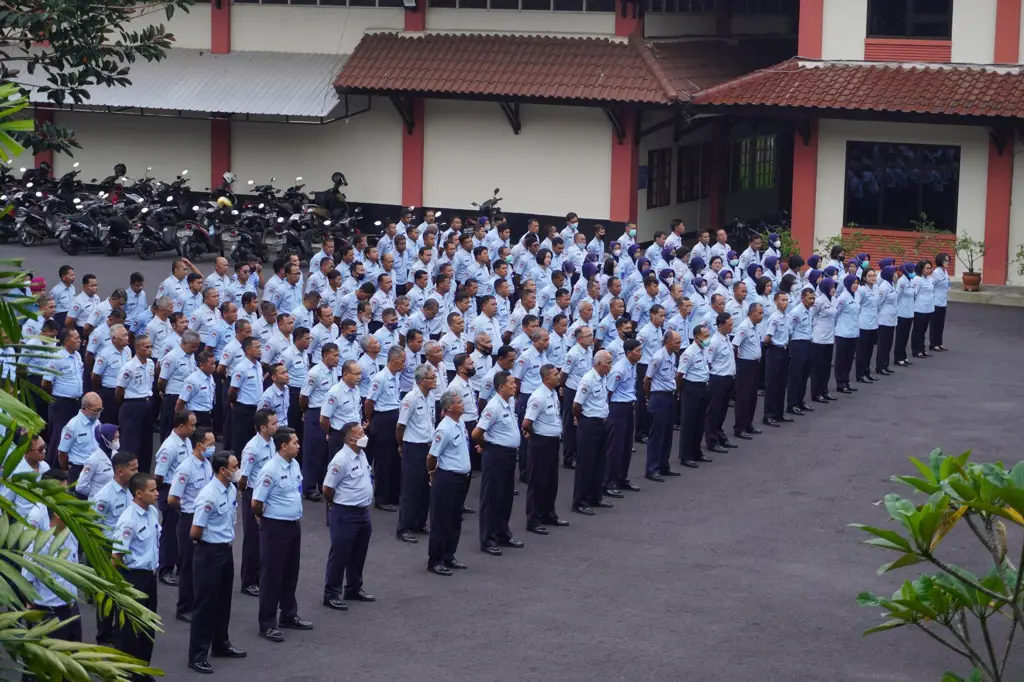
(697,267)
(864,260)
(681,265)
(823,338)
(886,262)
(754,273)
(813,262)
(870,302)
(701,298)
(847,332)
(886,319)
(940,280)
(97,470)
(774,250)
(813,277)
(770,269)
(666,278)
(732,261)
(924,307)
(905,294)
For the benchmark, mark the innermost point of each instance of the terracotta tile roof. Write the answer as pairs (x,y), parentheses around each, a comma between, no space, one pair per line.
(582,69)
(693,65)
(859,86)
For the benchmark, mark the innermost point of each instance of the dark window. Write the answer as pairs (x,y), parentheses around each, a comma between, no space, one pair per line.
(537,4)
(659,177)
(504,4)
(753,163)
(568,5)
(685,6)
(891,185)
(693,176)
(910,19)
(763,6)
(600,5)
(337,3)
(442,3)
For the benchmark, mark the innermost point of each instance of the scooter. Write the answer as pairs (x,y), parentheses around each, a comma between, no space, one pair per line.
(159,228)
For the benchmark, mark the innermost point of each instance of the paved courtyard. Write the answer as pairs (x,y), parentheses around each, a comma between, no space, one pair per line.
(741,570)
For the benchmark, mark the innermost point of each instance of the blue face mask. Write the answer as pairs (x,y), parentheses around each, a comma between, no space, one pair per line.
(208,452)
(92,417)
(912,275)
(704,343)
(734,262)
(864,265)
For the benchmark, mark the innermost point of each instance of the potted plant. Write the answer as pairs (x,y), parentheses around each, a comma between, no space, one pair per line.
(968,251)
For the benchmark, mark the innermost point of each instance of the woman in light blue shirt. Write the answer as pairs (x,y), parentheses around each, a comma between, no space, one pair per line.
(541,272)
(847,332)
(886,319)
(765,290)
(924,307)
(905,294)
(940,279)
(771,269)
(753,274)
(823,338)
(869,300)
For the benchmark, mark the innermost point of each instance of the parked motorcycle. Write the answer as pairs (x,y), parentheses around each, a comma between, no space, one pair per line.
(159,228)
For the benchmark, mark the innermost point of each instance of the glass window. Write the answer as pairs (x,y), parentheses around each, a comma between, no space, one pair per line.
(537,4)
(910,19)
(683,6)
(659,177)
(693,175)
(891,185)
(600,5)
(441,3)
(568,5)
(754,163)
(505,4)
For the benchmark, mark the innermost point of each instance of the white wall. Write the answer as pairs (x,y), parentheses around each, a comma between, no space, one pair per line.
(168,145)
(695,214)
(313,29)
(834,134)
(974,31)
(191,29)
(559,162)
(367,149)
(844,26)
(1016,213)
(503,21)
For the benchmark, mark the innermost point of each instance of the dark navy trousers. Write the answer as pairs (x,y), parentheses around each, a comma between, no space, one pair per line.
(619,443)
(314,451)
(659,445)
(350,538)
(136,430)
(497,490)
(447,498)
(280,548)
(414,502)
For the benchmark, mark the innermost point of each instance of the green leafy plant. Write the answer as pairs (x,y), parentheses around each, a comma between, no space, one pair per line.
(1018,260)
(969,251)
(974,615)
(851,242)
(926,237)
(789,245)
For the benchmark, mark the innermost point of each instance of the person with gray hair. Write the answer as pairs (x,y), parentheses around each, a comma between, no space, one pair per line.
(694,372)
(172,372)
(449,472)
(205,319)
(159,328)
(107,369)
(590,410)
(415,428)
(381,412)
(99,312)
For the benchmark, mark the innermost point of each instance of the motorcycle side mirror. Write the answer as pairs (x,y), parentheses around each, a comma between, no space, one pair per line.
(437,214)
(474,204)
(39,194)
(76,164)
(23,169)
(280,220)
(195,208)
(93,180)
(251,182)
(3,198)
(358,210)
(496,190)
(29,185)
(377,223)
(149,168)
(298,179)
(170,199)
(273,180)
(184,172)
(326,222)
(76,200)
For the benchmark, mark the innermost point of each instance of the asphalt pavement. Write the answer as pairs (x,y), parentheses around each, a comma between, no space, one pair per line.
(742,570)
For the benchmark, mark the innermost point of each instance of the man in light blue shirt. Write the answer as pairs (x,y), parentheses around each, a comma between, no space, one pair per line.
(659,386)
(189,478)
(175,368)
(311,398)
(542,427)
(498,433)
(415,427)
(449,469)
(722,368)
(62,379)
(694,372)
(343,405)
(107,369)
(172,452)
(199,392)
(622,388)
(255,454)
(245,390)
(527,374)
(77,440)
(748,369)
(578,362)
(381,411)
(590,410)
(276,397)
(801,351)
(776,341)
(136,543)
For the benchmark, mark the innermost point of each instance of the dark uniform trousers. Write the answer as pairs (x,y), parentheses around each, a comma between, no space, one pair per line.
(497,490)
(40,407)
(884,353)
(250,574)
(109,414)
(619,448)
(821,368)
(204,418)
(447,498)
(295,414)
(938,326)
(865,348)
(243,425)
(903,325)
(167,415)
(169,517)
(314,451)
(845,350)
(229,436)
(692,417)
(219,414)
(61,411)
(350,538)
(775,381)
(414,503)
(568,427)
(186,588)
(387,469)
(659,446)
(747,379)
(138,643)
(136,432)
(801,358)
(921,322)
(520,416)
(475,463)
(719,389)
(590,461)
(641,416)
(542,469)
(211,610)
(280,546)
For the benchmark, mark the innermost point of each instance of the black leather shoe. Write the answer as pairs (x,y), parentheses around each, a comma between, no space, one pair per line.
(640,439)
(539,530)
(870,378)
(569,464)
(806,408)
(853,388)
(656,477)
(706,460)
(296,623)
(829,397)
(555,521)
(601,504)
(335,603)
(581,509)
(845,389)
(629,485)
(201,666)
(468,510)
(760,391)
(492,550)
(902,363)
(361,595)
(771,422)
(818,399)
(230,652)
(424,530)
(613,492)
(169,578)
(251,590)
(786,419)
(513,543)
(184,617)
(386,507)
(273,634)
(743,436)
(456,564)
(716,448)
(862,380)
(754,430)
(406,536)
(669,472)
(728,444)
(689,464)
(314,496)
(795,410)
(439,569)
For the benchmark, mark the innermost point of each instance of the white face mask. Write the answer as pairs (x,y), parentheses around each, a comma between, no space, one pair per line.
(363,441)
(115,446)
(236,476)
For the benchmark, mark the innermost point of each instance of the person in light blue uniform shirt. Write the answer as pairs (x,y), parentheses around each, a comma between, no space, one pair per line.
(311,398)
(32,463)
(448,466)
(659,387)
(136,303)
(256,453)
(110,501)
(136,543)
(276,397)
(776,339)
(62,379)
(245,390)
(590,410)
(77,438)
(527,374)
(542,427)
(924,307)
(107,368)
(416,421)
(905,295)
(887,318)
(695,373)
(578,361)
(847,332)
(199,392)
(870,302)
(189,478)
(622,384)
(97,470)
(342,405)
(823,338)
(801,350)
(381,409)
(172,453)
(650,338)
(497,432)
(941,284)
(175,368)
(63,293)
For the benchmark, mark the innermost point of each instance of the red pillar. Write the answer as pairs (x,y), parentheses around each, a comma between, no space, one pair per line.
(417,21)
(220,26)
(1007,31)
(44,116)
(626,25)
(412,157)
(997,212)
(812,13)
(220,149)
(625,175)
(805,190)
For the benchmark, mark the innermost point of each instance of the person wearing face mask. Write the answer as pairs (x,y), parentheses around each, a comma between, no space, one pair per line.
(77,439)
(731,262)
(886,320)
(847,332)
(212,533)
(753,273)
(97,470)
(823,337)
(870,302)
(837,258)
(940,282)
(572,226)
(776,340)
(627,238)
(770,268)
(666,278)
(905,295)
(774,250)
(109,502)
(700,298)
(693,373)
(348,489)
(801,351)
(191,476)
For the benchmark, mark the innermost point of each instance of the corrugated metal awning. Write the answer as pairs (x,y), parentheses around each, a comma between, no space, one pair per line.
(257,83)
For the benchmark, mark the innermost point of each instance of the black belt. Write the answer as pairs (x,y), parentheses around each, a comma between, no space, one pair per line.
(132,400)
(499,447)
(662,392)
(58,398)
(775,345)
(695,383)
(376,412)
(349,506)
(631,403)
(214,544)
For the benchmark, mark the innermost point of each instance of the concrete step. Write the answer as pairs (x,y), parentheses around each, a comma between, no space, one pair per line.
(989,294)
